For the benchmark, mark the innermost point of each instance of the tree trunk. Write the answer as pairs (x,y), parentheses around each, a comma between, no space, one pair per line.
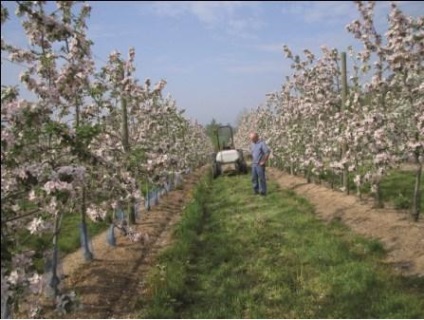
(416,201)
(378,197)
(54,281)
(88,256)
(132,214)
(308,174)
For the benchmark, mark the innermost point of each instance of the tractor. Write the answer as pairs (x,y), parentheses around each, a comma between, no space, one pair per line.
(227,158)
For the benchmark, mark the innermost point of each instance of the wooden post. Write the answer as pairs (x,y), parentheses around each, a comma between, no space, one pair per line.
(126,143)
(125,139)
(343,108)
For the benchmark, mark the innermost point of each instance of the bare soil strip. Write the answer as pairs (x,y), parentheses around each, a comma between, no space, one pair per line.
(111,284)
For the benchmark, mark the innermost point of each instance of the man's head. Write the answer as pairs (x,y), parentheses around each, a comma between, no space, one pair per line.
(254,137)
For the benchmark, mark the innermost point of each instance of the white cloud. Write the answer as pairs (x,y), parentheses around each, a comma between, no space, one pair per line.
(170,9)
(327,12)
(330,11)
(238,18)
(336,12)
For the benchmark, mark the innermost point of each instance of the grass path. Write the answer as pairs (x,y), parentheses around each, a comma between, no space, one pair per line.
(237,255)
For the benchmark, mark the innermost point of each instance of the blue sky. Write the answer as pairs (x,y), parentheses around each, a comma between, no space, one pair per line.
(218,58)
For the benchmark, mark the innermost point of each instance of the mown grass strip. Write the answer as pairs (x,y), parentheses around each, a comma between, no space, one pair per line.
(237,255)
(397,187)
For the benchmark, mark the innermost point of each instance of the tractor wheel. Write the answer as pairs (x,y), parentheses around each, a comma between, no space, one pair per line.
(237,167)
(216,170)
(243,168)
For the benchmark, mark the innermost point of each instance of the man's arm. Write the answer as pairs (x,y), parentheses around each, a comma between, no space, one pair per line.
(266,152)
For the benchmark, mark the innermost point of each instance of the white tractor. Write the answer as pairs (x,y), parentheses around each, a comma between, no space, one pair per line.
(228,158)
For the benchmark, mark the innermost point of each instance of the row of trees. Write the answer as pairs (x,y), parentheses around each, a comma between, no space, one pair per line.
(88,143)
(323,124)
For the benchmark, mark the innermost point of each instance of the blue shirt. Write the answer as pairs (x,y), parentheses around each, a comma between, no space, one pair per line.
(259,149)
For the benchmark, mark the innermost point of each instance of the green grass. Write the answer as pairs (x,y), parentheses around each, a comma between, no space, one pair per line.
(397,187)
(237,255)
(69,238)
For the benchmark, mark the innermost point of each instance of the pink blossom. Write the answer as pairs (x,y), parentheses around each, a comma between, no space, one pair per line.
(35,282)
(36,225)
(31,195)
(95,213)
(13,278)
(52,186)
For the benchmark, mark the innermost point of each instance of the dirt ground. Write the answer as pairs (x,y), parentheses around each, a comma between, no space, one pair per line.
(112,284)
(401,237)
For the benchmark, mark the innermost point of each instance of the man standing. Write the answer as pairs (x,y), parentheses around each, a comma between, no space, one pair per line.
(260,155)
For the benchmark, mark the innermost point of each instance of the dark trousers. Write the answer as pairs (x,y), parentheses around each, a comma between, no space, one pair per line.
(258,178)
